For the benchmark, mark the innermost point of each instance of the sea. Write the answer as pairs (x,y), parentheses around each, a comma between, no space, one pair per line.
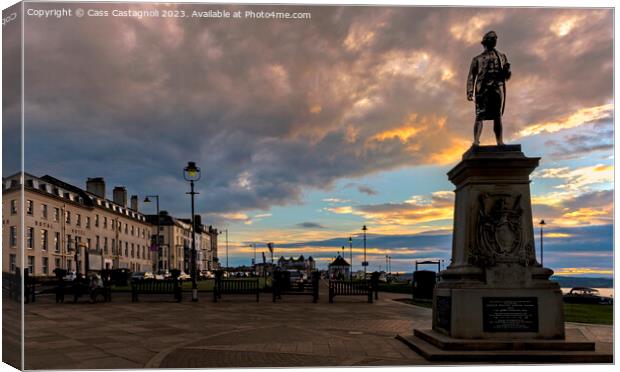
(605,292)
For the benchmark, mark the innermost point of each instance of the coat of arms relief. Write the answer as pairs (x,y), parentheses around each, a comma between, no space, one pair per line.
(499,232)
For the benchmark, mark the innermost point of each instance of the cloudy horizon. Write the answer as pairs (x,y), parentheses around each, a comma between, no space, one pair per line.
(306,130)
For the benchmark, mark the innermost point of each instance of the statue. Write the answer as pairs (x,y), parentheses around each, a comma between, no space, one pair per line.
(487,80)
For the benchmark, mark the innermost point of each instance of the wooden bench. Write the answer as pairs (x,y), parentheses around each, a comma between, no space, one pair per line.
(154,286)
(235,286)
(282,285)
(350,288)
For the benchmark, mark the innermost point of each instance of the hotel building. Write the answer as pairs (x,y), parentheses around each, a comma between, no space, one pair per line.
(69,228)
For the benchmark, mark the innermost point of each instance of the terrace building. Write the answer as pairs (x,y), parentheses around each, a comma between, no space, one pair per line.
(71,228)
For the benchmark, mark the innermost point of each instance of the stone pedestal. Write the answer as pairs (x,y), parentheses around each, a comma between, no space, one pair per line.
(494,294)
(494,287)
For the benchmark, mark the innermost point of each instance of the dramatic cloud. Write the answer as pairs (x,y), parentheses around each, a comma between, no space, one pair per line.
(564,209)
(271,108)
(595,138)
(417,210)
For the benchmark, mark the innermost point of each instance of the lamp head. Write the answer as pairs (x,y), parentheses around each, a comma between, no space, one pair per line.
(191,172)
(147,200)
(542,222)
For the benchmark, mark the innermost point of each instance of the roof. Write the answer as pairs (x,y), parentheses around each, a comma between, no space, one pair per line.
(339,261)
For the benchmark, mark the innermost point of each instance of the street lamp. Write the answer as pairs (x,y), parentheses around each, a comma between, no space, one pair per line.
(226,231)
(159,262)
(351,256)
(541,223)
(254,245)
(365,263)
(191,173)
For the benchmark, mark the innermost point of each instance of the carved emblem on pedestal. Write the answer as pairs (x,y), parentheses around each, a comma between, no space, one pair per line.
(499,232)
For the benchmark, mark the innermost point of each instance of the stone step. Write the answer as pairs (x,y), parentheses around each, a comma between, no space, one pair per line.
(575,341)
(434,354)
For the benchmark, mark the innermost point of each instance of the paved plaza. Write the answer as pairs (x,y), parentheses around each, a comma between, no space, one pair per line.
(236,332)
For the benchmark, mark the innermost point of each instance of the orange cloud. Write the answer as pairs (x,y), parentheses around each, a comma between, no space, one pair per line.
(580,178)
(416,210)
(580,117)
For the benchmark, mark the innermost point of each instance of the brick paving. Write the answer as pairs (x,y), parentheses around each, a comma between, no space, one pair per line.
(236,332)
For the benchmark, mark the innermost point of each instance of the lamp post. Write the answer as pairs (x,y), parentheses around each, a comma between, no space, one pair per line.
(351,257)
(254,246)
(191,173)
(365,263)
(542,223)
(159,265)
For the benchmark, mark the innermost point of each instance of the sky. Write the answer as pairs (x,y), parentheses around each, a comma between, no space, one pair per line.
(307,130)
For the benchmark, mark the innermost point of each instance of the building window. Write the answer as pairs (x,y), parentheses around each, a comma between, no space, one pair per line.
(105,222)
(78,220)
(126,249)
(44,211)
(57,242)
(88,243)
(44,266)
(87,222)
(31,265)
(132,230)
(97,242)
(126,229)
(29,207)
(13,206)
(44,239)
(30,238)
(132,250)
(13,236)
(113,246)
(68,217)
(105,245)
(12,260)
(57,263)
(96,220)
(56,214)
(69,243)
(69,262)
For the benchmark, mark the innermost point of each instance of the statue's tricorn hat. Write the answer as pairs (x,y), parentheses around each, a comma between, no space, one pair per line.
(487,36)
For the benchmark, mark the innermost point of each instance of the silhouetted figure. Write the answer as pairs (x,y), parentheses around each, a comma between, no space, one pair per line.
(487,82)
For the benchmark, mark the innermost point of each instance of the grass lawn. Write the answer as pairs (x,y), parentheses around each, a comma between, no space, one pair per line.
(589,313)
(578,313)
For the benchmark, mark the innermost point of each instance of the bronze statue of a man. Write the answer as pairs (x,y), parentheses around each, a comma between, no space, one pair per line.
(487,82)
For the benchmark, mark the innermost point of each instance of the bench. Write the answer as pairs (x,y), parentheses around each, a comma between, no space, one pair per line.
(12,283)
(81,288)
(235,286)
(154,286)
(282,286)
(350,288)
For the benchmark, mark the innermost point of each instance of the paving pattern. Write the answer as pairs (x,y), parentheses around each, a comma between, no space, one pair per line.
(236,332)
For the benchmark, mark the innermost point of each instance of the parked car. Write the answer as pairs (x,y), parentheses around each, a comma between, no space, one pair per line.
(585,295)
(137,276)
(149,275)
(159,276)
(71,275)
(184,276)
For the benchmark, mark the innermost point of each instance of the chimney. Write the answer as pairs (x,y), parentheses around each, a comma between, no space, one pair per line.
(134,202)
(119,195)
(96,186)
